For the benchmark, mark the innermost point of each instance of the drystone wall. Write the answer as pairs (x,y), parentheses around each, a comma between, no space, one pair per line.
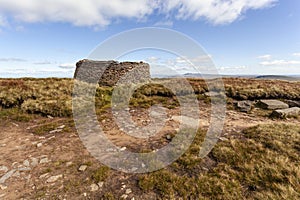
(109,73)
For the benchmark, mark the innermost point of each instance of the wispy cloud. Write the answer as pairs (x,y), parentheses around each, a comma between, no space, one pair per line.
(280,63)
(102,13)
(265,57)
(67,65)
(167,23)
(296,54)
(12,60)
(43,63)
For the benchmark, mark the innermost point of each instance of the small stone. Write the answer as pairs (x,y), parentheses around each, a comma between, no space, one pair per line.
(128,191)
(85,194)
(123,149)
(26,163)
(24,169)
(223,139)
(124,196)
(61,127)
(39,145)
(94,187)
(44,176)
(53,179)
(44,160)
(132,198)
(68,164)
(7,176)
(82,168)
(2,145)
(3,169)
(49,116)
(34,162)
(169,137)
(100,184)
(3,187)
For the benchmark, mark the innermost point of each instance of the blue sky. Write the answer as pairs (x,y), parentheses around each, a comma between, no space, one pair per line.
(45,38)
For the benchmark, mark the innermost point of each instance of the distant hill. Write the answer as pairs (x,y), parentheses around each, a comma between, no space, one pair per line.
(279,77)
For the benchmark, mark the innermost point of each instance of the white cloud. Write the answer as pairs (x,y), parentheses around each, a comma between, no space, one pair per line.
(12,60)
(99,13)
(265,57)
(167,23)
(67,65)
(215,11)
(280,63)
(296,54)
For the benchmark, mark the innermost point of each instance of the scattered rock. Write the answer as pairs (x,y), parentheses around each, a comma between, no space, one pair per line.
(68,164)
(34,162)
(26,163)
(123,149)
(168,137)
(82,168)
(272,104)
(100,184)
(212,94)
(53,179)
(94,187)
(124,196)
(7,176)
(24,169)
(44,160)
(55,131)
(128,191)
(3,187)
(292,103)
(244,106)
(3,169)
(286,113)
(61,127)
(39,145)
(44,176)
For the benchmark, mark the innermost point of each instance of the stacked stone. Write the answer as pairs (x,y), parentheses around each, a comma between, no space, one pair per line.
(108,73)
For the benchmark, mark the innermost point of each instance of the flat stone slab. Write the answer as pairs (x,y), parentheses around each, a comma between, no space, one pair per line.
(292,103)
(285,113)
(272,104)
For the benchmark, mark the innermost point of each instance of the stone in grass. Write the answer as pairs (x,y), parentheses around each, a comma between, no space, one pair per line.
(272,104)
(94,187)
(82,168)
(286,113)
(244,106)
(53,179)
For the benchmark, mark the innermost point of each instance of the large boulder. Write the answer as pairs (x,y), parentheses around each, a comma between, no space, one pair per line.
(108,73)
(244,106)
(285,113)
(272,104)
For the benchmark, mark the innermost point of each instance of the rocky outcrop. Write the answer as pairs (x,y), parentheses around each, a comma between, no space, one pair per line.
(272,104)
(108,73)
(286,113)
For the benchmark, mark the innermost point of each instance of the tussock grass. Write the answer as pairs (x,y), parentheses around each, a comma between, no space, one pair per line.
(265,165)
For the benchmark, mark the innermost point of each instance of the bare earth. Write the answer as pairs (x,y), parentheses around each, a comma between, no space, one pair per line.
(46,166)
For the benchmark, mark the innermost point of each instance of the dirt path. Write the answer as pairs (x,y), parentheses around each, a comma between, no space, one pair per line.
(44,167)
